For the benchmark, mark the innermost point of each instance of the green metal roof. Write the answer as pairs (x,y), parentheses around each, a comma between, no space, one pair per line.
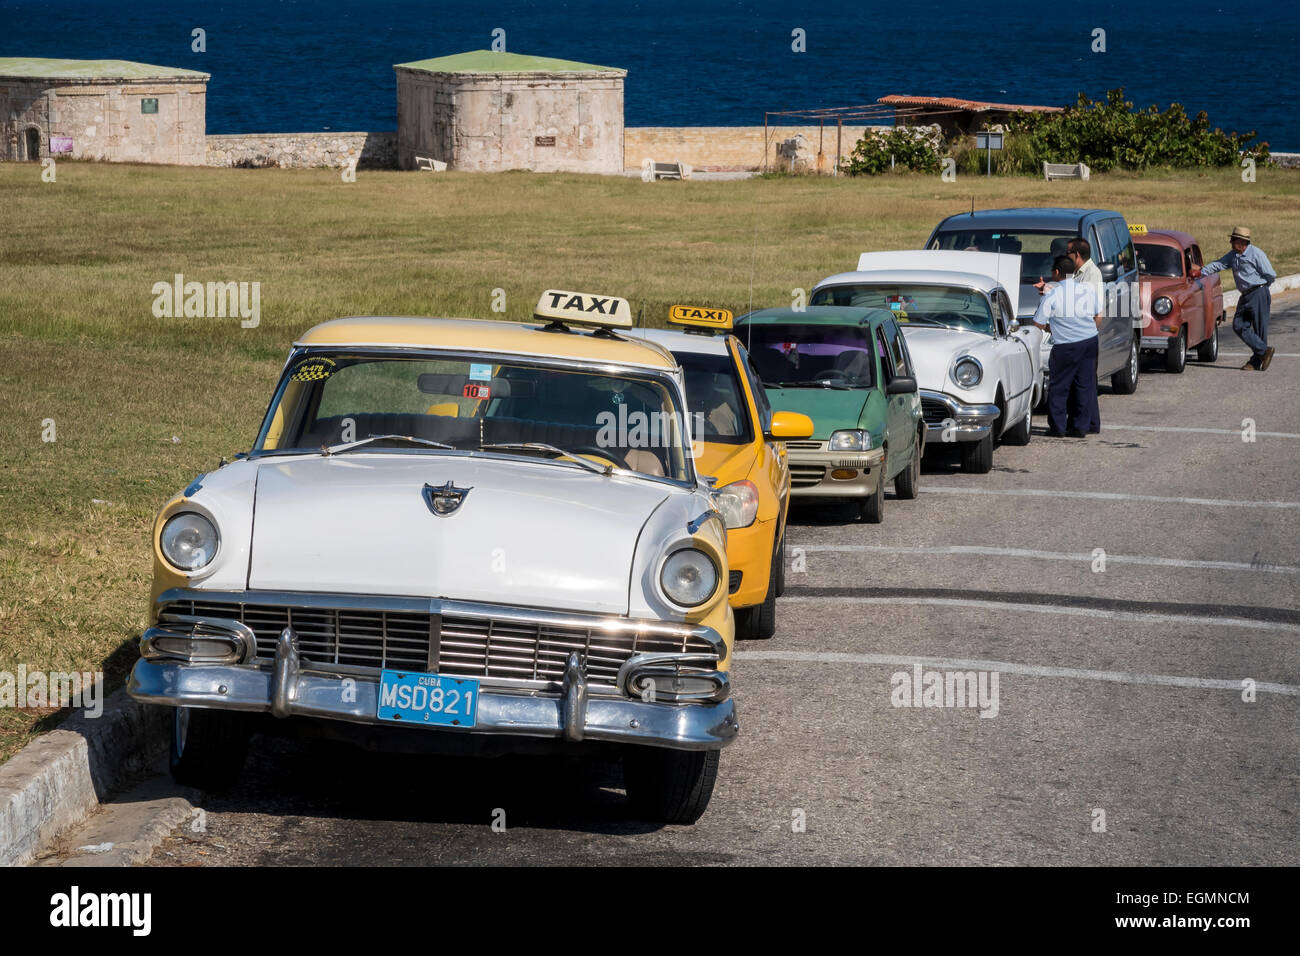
(486,61)
(814,315)
(40,68)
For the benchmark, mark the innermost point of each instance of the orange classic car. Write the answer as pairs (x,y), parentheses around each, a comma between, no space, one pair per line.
(1179,312)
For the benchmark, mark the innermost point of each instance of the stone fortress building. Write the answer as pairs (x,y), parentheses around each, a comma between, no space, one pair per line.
(102,109)
(485,110)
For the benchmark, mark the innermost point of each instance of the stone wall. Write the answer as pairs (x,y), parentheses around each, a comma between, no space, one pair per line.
(546,122)
(104,119)
(303,150)
(726,148)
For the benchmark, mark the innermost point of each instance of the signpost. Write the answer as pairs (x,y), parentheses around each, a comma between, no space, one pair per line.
(988,141)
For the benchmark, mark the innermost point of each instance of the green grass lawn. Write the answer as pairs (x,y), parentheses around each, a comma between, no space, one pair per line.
(143,404)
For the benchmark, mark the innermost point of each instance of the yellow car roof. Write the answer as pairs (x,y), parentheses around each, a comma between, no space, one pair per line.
(485,335)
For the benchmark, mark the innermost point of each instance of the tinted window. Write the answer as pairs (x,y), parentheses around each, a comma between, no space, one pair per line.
(756,389)
(1037,250)
(826,356)
(714,398)
(1156,259)
(886,359)
(895,341)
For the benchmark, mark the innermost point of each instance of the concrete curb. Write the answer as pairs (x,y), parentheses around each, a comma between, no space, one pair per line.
(1280,284)
(59,779)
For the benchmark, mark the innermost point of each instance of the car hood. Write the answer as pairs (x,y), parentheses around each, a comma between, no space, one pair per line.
(934,349)
(829,408)
(528,533)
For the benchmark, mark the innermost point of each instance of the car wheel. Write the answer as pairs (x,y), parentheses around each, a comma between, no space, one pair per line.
(1021,431)
(909,479)
(1125,381)
(669,786)
(1176,354)
(208,747)
(872,508)
(1208,351)
(977,456)
(758,623)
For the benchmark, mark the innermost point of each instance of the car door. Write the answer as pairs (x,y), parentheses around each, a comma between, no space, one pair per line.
(900,429)
(1117,328)
(1192,310)
(1210,302)
(1015,356)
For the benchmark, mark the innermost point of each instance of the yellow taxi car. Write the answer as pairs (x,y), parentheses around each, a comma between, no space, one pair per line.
(739,441)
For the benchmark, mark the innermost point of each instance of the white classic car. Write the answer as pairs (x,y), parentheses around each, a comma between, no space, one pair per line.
(979,371)
(456,536)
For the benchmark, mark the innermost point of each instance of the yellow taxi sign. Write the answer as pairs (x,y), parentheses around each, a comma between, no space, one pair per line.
(700,317)
(1136,228)
(584,308)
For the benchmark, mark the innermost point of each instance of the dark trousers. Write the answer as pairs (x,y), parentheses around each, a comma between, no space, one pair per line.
(1250,321)
(1072,387)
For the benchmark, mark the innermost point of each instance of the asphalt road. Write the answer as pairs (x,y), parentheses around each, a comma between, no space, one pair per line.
(1119,690)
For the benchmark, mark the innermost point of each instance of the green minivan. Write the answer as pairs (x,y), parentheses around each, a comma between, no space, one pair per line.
(849,371)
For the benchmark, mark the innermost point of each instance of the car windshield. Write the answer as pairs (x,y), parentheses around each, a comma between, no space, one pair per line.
(1159,260)
(828,356)
(718,409)
(326,400)
(951,306)
(1037,250)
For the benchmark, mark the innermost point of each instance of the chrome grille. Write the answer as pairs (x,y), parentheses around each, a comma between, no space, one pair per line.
(470,646)
(934,411)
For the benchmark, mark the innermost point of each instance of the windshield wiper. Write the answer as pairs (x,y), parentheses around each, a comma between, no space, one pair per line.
(348,446)
(542,446)
(813,383)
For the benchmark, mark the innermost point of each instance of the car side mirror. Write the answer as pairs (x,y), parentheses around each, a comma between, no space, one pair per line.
(901,385)
(1108,272)
(789,425)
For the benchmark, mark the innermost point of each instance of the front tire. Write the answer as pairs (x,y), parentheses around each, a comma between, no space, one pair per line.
(872,507)
(1176,353)
(669,786)
(1125,381)
(908,481)
(1208,351)
(977,456)
(208,747)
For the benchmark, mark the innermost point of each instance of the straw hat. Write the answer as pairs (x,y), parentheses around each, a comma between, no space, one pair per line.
(1240,232)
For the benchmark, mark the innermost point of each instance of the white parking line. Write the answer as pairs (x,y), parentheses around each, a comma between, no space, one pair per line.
(1249,354)
(1236,432)
(1108,496)
(1132,617)
(1079,556)
(1033,670)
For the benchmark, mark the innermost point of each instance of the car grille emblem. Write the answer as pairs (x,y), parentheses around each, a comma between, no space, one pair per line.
(445,499)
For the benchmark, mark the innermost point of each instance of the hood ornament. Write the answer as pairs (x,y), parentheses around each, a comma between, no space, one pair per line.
(445,499)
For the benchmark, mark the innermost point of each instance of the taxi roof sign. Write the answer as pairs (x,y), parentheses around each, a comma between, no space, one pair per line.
(584,308)
(1136,228)
(701,318)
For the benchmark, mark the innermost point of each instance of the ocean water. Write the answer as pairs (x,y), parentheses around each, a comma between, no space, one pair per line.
(307,65)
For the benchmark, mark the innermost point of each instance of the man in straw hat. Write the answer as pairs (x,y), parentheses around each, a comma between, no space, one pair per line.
(1253,274)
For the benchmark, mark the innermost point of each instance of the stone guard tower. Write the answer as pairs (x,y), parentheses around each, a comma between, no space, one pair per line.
(489,111)
(112,110)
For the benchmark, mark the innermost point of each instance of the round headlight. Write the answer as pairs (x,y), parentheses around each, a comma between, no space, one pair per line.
(738,503)
(689,577)
(1162,306)
(967,372)
(189,541)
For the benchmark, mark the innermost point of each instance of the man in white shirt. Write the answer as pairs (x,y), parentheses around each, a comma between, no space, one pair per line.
(1072,313)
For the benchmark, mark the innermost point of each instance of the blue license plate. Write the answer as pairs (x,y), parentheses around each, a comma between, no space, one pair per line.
(427,700)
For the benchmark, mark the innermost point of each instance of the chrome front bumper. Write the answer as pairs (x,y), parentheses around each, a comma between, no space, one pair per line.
(968,422)
(286,689)
(1159,343)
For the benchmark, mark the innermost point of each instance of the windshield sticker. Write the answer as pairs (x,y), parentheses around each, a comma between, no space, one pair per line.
(313,370)
(480,373)
(477,391)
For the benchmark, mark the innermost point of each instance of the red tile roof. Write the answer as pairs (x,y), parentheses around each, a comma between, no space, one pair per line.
(949,102)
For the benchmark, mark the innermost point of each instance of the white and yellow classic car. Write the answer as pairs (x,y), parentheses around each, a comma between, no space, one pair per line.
(456,535)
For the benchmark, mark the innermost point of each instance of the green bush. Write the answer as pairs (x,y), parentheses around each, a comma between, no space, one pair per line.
(908,150)
(1112,135)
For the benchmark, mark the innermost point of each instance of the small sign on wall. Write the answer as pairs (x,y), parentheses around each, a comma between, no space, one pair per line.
(543,140)
(149,104)
(60,144)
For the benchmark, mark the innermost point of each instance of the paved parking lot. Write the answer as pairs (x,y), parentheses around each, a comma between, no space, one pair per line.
(1120,588)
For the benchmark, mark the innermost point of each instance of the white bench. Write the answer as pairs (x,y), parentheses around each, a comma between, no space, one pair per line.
(651,170)
(1065,171)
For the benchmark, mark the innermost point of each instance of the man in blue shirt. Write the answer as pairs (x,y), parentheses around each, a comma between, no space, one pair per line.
(1253,274)
(1072,312)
